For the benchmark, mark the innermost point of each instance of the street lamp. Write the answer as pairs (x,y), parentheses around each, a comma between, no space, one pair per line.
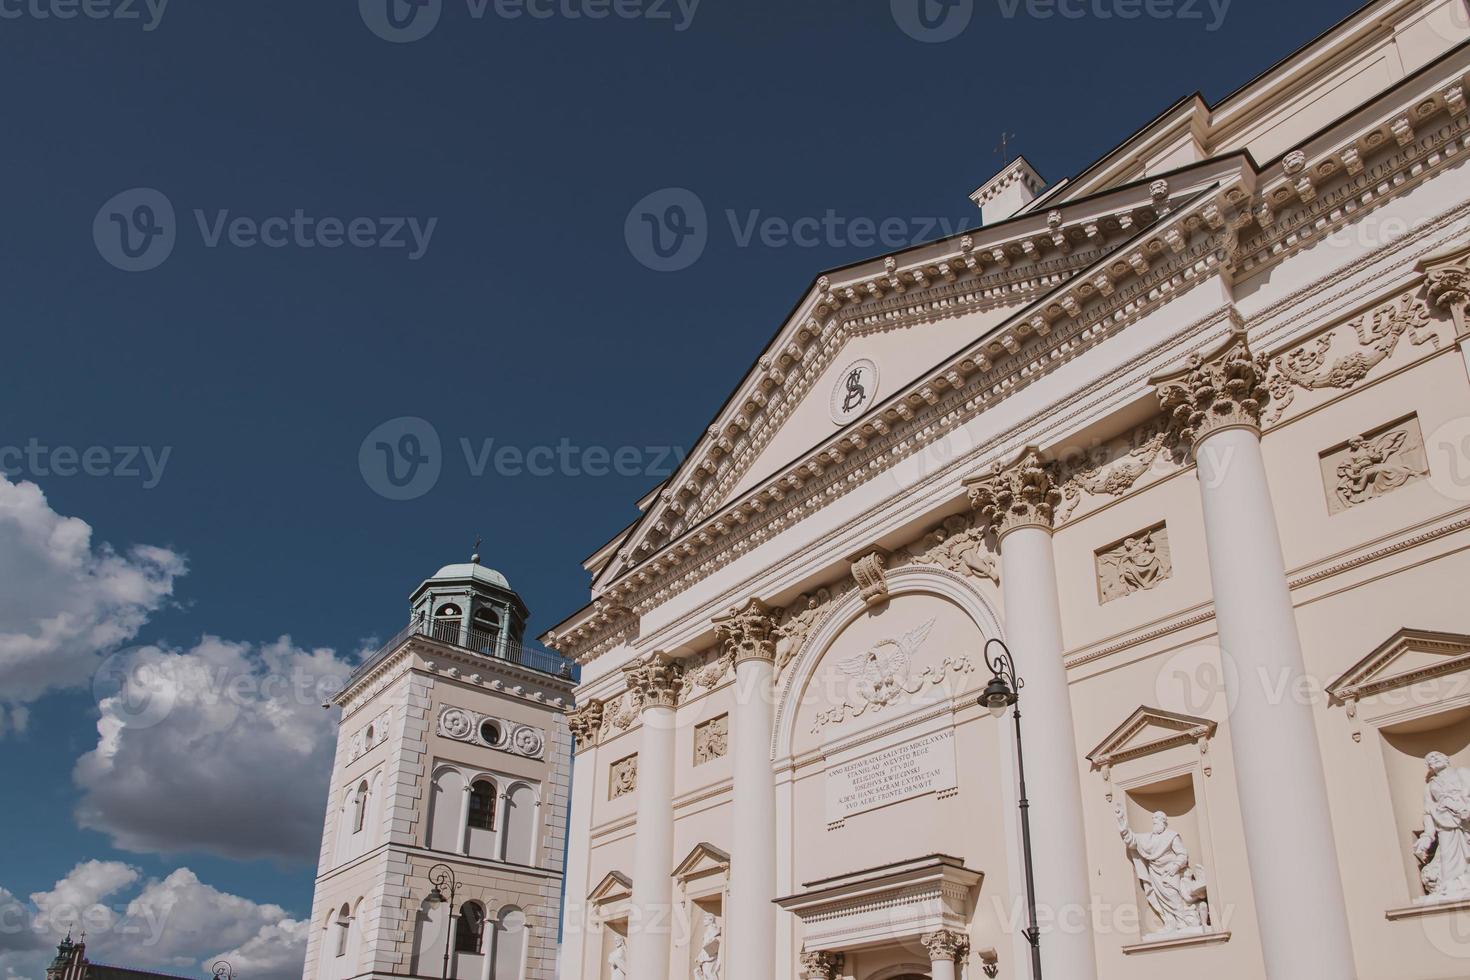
(1004,691)
(439,876)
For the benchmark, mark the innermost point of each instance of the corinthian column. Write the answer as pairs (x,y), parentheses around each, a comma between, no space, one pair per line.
(749,636)
(1019,501)
(1215,403)
(654,680)
(945,946)
(585,723)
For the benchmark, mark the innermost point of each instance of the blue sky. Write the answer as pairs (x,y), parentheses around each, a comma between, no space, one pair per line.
(506,155)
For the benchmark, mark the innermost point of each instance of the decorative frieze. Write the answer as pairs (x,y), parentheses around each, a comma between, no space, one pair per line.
(711,740)
(1135,564)
(1222,390)
(957,544)
(748,633)
(799,618)
(622,777)
(369,737)
(1375,463)
(1113,470)
(1023,494)
(654,680)
(491,732)
(946,945)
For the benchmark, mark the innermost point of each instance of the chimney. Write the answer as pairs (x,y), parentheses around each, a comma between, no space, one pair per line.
(1008,192)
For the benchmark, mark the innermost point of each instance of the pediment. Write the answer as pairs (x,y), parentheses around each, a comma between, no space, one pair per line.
(1149,730)
(704,860)
(1406,658)
(614,887)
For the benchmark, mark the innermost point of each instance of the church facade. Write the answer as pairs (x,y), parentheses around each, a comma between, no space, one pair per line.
(444,842)
(1186,440)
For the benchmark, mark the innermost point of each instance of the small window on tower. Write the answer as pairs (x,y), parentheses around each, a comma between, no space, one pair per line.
(482,805)
(490,733)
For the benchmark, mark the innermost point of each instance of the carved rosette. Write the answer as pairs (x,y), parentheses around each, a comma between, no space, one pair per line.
(585,723)
(1024,494)
(946,945)
(749,632)
(1224,390)
(655,680)
(1449,290)
(821,966)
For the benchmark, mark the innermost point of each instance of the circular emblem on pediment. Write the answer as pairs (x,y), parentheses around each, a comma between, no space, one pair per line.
(855,391)
(527,741)
(455,723)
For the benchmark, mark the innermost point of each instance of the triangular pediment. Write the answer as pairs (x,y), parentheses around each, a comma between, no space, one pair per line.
(1149,730)
(705,859)
(614,887)
(1408,657)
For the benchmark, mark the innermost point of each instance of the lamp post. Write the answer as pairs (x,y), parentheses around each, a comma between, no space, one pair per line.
(439,876)
(1004,691)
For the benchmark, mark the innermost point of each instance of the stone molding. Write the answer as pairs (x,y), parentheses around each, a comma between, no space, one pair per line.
(654,681)
(1023,494)
(1224,389)
(748,632)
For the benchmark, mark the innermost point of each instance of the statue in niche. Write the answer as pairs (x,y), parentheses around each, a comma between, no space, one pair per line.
(1375,466)
(1172,888)
(617,960)
(1443,847)
(707,966)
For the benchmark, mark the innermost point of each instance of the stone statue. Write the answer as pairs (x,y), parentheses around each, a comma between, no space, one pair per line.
(617,960)
(1443,847)
(1173,889)
(707,966)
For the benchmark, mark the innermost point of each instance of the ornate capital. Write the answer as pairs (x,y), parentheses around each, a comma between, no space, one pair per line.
(585,722)
(821,966)
(1223,390)
(1449,290)
(748,632)
(655,680)
(1023,494)
(946,945)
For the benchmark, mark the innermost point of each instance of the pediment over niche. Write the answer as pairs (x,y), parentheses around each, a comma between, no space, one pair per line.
(1408,657)
(1147,731)
(614,887)
(704,860)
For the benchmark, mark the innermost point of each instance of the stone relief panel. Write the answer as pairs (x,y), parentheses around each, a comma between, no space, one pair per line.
(1112,469)
(490,732)
(1342,356)
(959,544)
(623,777)
(1375,463)
(885,675)
(1137,563)
(711,740)
(798,619)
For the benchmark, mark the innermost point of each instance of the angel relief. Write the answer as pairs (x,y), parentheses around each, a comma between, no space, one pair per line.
(883,675)
(1376,463)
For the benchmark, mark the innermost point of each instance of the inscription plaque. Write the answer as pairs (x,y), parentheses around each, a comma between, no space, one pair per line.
(892,775)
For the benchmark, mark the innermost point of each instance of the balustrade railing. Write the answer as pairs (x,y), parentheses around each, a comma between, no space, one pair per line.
(492,645)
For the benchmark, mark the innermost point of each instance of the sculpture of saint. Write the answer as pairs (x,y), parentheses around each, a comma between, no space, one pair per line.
(1443,847)
(707,965)
(617,960)
(1173,889)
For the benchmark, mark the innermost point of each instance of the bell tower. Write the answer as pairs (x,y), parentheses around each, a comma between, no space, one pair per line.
(443,848)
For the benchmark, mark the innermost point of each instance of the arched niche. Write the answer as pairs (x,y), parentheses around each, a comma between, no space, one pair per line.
(446,830)
(520,824)
(865,667)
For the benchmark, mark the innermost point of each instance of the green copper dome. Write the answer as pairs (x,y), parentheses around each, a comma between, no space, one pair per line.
(471,570)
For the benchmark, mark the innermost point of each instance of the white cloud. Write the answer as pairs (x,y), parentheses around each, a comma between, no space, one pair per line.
(176,924)
(222,749)
(65,601)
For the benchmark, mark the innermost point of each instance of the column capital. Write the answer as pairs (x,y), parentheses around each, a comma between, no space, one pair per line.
(821,966)
(946,945)
(748,632)
(585,722)
(1023,494)
(1449,290)
(654,680)
(1225,389)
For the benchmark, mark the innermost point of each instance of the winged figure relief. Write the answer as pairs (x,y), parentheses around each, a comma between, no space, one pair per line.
(882,671)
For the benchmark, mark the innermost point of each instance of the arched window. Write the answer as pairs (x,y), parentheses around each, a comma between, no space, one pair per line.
(487,619)
(469,934)
(344,928)
(360,816)
(482,805)
(447,622)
